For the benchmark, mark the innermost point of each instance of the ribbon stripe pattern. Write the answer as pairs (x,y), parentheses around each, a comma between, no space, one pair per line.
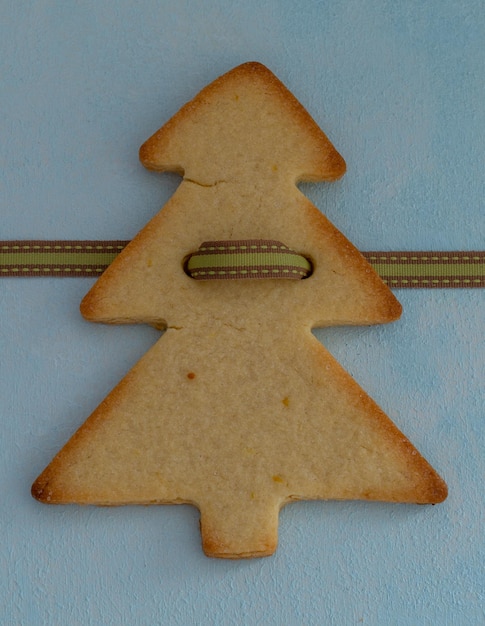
(414,269)
(243,259)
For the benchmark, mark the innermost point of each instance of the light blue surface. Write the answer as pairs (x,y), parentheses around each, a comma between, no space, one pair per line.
(400,89)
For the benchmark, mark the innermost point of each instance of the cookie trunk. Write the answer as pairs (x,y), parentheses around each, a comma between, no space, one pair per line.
(246,529)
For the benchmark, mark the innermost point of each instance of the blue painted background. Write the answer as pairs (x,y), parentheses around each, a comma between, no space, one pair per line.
(400,89)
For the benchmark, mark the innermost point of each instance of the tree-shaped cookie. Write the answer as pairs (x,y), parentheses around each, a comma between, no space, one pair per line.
(238,409)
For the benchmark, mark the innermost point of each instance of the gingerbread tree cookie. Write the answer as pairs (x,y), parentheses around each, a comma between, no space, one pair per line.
(238,409)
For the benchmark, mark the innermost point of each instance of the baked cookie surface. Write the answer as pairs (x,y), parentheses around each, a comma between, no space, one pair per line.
(238,409)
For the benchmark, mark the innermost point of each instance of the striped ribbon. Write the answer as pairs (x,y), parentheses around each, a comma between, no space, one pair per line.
(453,269)
(57,258)
(246,258)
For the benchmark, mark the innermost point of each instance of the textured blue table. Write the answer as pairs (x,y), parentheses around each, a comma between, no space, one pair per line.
(400,89)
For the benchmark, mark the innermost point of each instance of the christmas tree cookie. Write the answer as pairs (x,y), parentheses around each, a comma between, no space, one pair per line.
(237,408)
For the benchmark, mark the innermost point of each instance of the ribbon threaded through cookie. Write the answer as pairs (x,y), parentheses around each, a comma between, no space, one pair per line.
(246,258)
(453,269)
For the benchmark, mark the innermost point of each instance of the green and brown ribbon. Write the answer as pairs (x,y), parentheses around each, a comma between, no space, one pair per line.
(57,258)
(442,269)
(247,258)
(454,269)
